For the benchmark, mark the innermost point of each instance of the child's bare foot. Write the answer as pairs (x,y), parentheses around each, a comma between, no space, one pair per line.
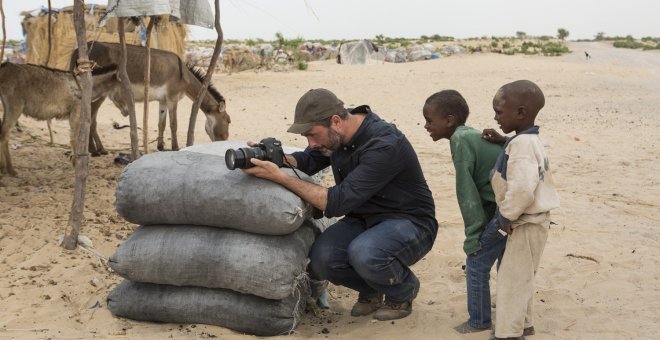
(465,328)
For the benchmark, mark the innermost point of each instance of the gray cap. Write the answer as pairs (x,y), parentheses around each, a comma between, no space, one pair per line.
(313,107)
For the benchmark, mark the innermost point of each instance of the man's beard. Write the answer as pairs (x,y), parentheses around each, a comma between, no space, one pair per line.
(334,143)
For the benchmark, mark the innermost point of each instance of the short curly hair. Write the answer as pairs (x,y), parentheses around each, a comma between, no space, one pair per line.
(449,102)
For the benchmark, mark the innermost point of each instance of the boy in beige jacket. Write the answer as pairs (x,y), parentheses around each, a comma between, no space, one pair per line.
(524,193)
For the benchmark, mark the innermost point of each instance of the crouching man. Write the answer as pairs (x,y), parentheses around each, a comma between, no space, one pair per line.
(388,211)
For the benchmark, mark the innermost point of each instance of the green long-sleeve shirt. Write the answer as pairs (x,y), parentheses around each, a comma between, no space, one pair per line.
(474,158)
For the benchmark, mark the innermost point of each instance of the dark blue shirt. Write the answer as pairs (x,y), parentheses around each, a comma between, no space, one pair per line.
(377,175)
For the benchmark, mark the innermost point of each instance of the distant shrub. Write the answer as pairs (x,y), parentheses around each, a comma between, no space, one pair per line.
(494,43)
(506,45)
(629,44)
(302,65)
(436,37)
(553,49)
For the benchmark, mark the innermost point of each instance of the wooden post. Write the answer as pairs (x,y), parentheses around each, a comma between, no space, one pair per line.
(147,81)
(128,93)
(207,79)
(4,33)
(50,33)
(70,240)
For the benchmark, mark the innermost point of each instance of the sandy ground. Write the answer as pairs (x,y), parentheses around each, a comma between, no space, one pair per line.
(600,273)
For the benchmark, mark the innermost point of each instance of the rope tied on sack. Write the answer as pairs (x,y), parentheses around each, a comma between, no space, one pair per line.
(299,281)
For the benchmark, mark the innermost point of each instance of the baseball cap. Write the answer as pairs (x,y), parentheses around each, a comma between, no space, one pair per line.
(313,107)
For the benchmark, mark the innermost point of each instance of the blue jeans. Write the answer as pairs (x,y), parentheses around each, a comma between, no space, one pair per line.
(371,260)
(477,268)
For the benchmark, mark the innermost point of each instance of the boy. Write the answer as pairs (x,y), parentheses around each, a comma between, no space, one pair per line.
(525,193)
(445,113)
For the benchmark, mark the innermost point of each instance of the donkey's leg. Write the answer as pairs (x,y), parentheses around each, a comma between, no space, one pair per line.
(8,122)
(173,124)
(95,146)
(162,117)
(74,123)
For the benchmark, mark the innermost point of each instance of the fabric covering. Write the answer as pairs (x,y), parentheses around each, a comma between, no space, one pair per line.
(263,265)
(195,188)
(222,307)
(192,12)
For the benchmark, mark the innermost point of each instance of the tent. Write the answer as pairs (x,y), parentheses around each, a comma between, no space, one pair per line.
(360,52)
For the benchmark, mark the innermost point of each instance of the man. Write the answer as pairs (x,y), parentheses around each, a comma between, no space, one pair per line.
(389,214)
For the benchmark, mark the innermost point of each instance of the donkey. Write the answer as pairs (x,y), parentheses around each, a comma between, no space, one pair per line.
(170,81)
(43,93)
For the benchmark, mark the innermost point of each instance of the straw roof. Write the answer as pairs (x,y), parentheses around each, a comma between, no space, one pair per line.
(166,35)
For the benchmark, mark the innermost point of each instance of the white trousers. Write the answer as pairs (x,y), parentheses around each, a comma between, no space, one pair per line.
(515,279)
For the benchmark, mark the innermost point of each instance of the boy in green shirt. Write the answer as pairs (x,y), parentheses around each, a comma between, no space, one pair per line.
(445,113)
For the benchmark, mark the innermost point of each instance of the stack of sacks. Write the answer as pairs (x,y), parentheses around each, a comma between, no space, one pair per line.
(215,246)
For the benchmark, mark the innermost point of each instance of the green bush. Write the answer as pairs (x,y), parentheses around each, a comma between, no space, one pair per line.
(553,49)
(629,44)
(302,65)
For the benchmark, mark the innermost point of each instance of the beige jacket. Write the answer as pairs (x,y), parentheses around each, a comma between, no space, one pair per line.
(524,189)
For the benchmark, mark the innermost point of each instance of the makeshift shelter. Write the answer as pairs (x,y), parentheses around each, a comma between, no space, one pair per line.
(168,35)
(360,52)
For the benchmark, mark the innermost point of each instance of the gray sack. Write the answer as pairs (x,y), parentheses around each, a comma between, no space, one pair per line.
(196,188)
(222,307)
(264,265)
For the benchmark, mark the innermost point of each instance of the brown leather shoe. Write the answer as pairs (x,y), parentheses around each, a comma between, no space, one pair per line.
(366,306)
(392,311)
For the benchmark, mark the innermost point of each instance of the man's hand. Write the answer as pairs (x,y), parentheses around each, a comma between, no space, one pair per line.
(310,192)
(493,136)
(265,169)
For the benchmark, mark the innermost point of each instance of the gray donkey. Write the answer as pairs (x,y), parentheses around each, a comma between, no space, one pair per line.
(43,93)
(170,81)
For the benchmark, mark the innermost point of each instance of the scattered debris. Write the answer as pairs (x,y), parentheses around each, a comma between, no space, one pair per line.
(582,257)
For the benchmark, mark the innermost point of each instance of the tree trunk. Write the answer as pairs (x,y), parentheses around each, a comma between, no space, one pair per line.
(128,93)
(50,31)
(147,81)
(207,79)
(4,33)
(82,155)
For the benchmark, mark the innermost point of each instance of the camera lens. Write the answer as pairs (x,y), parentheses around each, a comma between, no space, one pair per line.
(240,158)
(234,159)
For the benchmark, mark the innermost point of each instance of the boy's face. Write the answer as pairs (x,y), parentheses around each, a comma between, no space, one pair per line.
(507,114)
(437,124)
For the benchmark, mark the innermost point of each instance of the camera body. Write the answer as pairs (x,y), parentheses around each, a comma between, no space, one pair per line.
(268,149)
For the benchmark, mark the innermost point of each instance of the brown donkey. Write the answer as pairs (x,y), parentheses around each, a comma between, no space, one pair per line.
(170,81)
(43,93)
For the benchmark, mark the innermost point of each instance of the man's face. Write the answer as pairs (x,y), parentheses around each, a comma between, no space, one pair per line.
(506,112)
(437,124)
(325,139)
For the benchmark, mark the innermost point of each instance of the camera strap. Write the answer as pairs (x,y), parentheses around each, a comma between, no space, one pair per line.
(292,168)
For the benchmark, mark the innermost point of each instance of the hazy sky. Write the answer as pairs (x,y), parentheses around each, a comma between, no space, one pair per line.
(346,19)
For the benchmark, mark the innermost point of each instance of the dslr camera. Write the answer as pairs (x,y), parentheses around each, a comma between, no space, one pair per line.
(268,149)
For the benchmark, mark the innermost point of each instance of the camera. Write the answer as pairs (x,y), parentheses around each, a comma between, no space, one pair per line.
(268,149)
